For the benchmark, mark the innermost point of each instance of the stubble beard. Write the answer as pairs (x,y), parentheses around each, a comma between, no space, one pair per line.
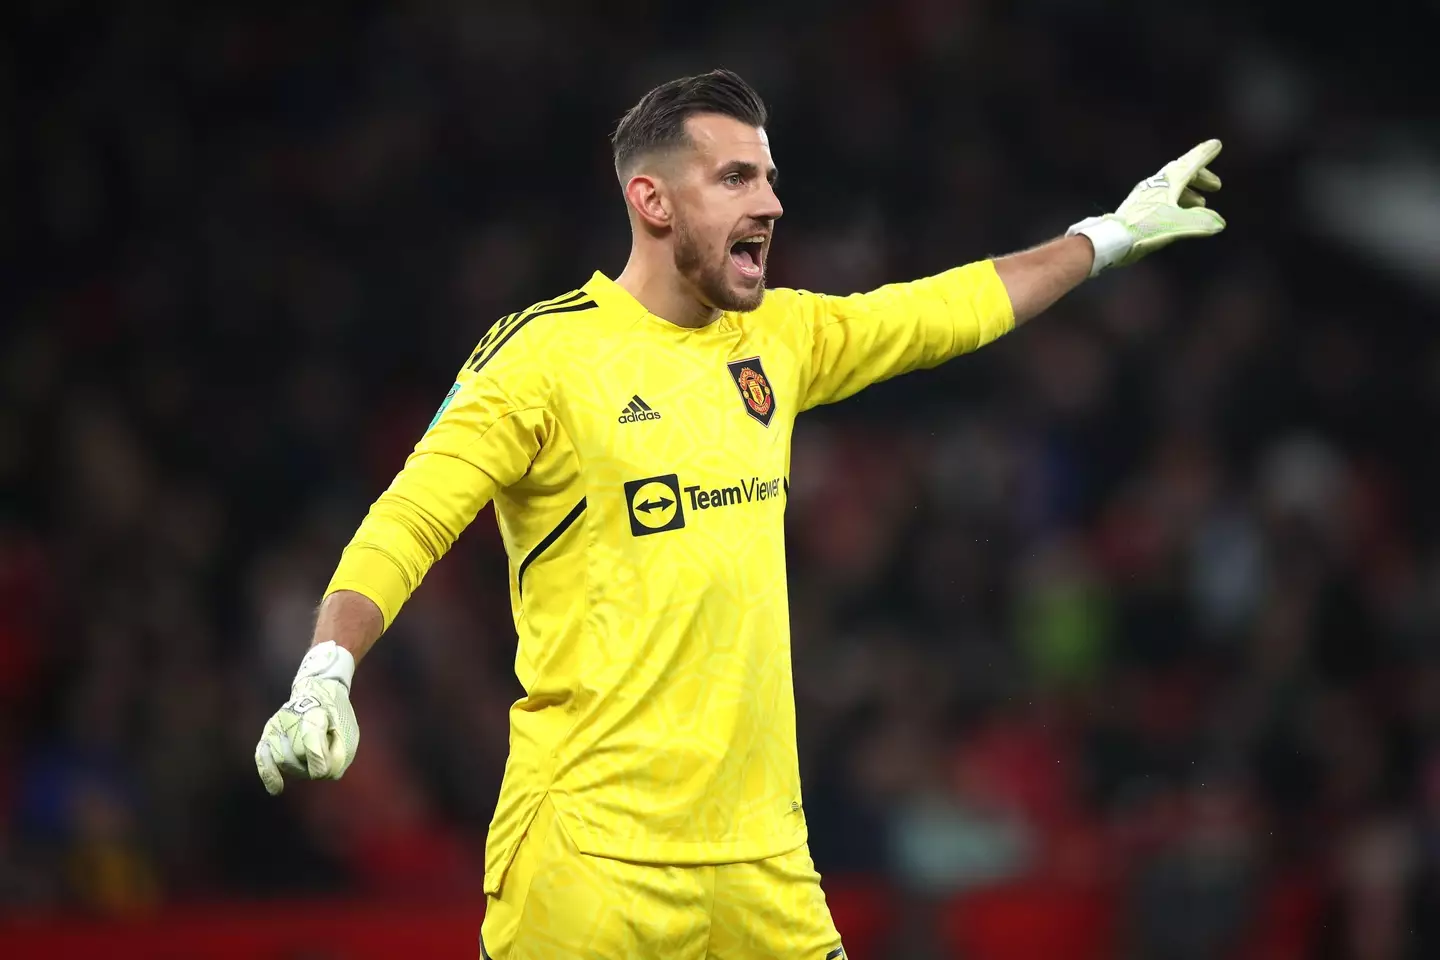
(711,277)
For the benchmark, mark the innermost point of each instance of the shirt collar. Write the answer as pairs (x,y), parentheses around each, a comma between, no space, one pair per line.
(614,298)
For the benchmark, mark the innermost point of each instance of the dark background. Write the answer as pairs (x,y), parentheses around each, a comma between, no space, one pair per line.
(1129,619)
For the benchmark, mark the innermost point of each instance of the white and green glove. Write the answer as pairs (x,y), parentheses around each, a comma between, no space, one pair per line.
(1160,210)
(314,735)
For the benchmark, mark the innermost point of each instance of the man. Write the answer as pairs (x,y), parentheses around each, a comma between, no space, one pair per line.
(635,437)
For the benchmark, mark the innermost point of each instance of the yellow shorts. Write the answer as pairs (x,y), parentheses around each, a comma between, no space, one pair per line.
(556,902)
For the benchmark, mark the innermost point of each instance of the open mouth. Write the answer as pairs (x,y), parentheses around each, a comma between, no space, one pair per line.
(748,255)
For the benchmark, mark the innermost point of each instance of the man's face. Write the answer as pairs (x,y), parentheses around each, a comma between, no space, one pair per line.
(724,197)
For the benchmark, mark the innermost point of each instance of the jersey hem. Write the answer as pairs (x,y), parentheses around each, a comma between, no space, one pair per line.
(677,852)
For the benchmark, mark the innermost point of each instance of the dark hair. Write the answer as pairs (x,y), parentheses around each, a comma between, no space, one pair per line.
(657,122)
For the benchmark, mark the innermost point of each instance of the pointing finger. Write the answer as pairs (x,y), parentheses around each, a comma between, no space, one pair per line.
(1198,157)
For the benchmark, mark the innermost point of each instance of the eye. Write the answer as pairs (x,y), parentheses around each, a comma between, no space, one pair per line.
(733,179)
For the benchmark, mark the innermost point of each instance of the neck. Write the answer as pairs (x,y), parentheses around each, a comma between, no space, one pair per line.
(663,292)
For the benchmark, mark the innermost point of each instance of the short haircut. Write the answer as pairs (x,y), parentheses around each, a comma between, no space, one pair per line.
(657,122)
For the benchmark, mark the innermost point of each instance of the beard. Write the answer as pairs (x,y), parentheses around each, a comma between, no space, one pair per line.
(711,276)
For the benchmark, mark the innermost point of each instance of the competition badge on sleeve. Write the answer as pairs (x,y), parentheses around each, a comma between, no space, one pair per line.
(755,389)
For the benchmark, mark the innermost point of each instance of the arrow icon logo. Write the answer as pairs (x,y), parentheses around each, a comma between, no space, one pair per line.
(654,505)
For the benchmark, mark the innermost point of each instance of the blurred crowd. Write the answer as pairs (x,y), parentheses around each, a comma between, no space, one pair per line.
(1141,598)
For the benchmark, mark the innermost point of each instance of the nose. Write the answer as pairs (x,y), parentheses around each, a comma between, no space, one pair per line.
(769,204)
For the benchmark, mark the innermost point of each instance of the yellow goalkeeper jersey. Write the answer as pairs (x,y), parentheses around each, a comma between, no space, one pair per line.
(640,472)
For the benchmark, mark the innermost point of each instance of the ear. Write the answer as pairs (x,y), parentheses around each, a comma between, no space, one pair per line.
(647,197)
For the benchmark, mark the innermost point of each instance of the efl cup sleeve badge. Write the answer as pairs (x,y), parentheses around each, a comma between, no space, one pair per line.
(443,404)
(754,387)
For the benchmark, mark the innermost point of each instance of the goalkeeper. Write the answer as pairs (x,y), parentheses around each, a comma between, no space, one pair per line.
(634,435)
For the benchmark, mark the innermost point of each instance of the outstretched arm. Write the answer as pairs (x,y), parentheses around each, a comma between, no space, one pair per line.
(1160,210)
(867,337)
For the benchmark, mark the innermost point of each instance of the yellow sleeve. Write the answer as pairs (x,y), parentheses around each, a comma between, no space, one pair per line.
(484,438)
(868,337)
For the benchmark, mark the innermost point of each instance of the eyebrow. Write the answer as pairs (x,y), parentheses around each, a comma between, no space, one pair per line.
(749,170)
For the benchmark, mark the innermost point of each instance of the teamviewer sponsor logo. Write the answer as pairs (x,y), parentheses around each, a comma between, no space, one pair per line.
(654,505)
(657,504)
(638,409)
(746,491)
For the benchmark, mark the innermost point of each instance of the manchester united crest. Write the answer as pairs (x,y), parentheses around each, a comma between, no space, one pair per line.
(754,388)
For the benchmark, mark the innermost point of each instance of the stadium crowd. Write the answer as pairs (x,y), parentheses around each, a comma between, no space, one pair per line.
(1141,598)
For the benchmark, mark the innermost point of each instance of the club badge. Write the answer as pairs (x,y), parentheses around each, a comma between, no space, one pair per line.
(754,388)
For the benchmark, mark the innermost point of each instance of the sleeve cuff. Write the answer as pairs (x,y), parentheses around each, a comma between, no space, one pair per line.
(375,576)
(988,311)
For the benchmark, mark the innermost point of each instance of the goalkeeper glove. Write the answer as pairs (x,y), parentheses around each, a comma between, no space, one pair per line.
(1160,210)
(314,735)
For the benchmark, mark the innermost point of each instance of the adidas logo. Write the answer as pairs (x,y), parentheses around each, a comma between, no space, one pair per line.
(638,409)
